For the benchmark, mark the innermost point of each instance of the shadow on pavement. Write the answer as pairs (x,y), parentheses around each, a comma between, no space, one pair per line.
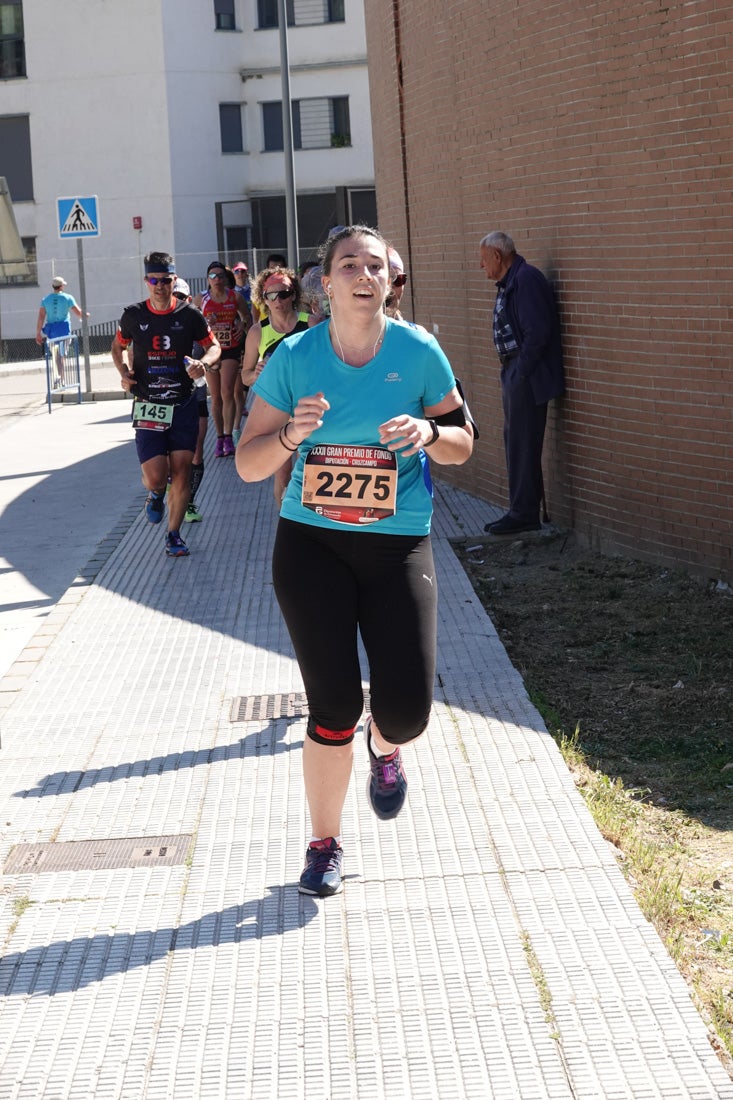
(68,965)
(267,741)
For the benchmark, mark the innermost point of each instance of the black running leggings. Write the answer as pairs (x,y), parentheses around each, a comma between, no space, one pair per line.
(331,584)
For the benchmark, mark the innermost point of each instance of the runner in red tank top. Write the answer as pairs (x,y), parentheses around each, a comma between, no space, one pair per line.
(229,319)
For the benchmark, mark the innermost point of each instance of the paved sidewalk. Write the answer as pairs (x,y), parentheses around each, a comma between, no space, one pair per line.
(154,944)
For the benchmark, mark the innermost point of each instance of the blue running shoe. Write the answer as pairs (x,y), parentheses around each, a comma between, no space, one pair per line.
(154,507)
(322,872)
(175,547)
(387,783)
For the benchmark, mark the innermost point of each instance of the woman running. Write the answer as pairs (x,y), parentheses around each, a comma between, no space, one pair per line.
(358,399)
(228,318)
(276,293)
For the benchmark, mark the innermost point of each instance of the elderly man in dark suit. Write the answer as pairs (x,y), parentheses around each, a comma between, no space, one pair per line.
(527,339)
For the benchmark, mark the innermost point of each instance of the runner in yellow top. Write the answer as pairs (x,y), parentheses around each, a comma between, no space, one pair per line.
(277,294)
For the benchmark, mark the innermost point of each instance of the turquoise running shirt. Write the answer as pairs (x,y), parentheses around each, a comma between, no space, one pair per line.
(58,306)
(408,373)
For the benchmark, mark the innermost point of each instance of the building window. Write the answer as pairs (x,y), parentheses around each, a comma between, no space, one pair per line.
(318,123)
(29,245)
(340,121)
(12,44)
(15,156)
(267,14)
(272,125)
(317,213)
(230,125)
(224,15)
(301,13)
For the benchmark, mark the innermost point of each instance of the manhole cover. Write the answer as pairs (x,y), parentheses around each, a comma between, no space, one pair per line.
(98,855)
(255,708)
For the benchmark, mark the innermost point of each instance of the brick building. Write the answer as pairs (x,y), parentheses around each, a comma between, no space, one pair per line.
(600,135)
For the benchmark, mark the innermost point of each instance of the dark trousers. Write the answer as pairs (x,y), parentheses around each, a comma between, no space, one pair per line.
(331,584)
(524,434)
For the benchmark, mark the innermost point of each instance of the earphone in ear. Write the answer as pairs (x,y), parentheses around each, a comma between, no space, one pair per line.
(328,288)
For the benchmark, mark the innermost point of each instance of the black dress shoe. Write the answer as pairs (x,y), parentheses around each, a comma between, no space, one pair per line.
(510,525)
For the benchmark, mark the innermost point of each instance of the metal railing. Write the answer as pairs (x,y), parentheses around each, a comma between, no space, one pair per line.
(62,366)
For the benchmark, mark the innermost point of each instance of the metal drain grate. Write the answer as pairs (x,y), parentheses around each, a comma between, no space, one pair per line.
(256,708)
(98,855)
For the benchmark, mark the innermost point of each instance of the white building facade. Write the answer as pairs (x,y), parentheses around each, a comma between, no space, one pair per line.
(170,113)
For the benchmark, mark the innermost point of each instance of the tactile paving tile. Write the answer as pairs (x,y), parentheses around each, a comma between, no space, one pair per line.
(215,978)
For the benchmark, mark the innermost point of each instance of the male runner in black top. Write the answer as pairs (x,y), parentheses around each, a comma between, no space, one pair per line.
(162,331)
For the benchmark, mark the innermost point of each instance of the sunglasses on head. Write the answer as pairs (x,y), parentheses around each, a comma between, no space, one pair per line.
(399,280)
(164,280)
(273,295)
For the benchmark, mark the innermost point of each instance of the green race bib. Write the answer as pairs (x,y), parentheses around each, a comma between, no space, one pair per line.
(150,416)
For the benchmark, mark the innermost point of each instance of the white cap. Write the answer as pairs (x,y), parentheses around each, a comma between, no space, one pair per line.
(395,260)
(181,287)
(58,281)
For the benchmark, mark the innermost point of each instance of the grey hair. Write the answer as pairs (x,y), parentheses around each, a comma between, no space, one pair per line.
(502,242)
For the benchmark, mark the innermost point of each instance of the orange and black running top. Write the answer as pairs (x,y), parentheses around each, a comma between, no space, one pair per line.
(160,341)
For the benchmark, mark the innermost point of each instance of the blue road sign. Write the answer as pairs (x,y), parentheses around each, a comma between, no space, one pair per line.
(78,217)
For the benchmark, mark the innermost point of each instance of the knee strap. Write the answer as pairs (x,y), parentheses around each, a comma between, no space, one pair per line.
(323,736)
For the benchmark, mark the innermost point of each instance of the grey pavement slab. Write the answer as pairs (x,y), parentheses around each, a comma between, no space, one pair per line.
(485,943)
(66,478)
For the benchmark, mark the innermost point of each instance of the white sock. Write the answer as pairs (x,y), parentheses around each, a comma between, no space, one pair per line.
(376,751)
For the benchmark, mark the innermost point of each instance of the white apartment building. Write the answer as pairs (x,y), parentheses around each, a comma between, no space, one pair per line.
(169,113)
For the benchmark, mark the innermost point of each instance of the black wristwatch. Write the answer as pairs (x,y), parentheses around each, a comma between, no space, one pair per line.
(435,435)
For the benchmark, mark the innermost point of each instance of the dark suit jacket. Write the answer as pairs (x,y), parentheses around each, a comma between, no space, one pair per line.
(532,313)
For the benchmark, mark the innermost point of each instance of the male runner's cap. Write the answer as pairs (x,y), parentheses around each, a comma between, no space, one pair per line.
(181,287)
(58,281)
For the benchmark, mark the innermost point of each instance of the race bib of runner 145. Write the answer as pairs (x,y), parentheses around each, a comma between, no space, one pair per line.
(151,416)
(350,484)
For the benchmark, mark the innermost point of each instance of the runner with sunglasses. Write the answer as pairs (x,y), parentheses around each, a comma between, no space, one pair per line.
(398,279)
(227,313)
(148,350)
(358,401)
(277,293)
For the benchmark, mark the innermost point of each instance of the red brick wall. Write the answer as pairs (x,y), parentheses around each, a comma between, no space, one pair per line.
(600,135)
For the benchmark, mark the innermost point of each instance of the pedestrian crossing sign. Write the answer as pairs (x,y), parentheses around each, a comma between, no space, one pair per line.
(78,217)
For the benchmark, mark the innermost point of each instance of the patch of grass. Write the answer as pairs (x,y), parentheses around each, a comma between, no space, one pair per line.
(540,981)
(640,658)
(20,904)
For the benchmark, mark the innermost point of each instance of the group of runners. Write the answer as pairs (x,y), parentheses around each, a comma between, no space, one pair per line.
(173,340)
